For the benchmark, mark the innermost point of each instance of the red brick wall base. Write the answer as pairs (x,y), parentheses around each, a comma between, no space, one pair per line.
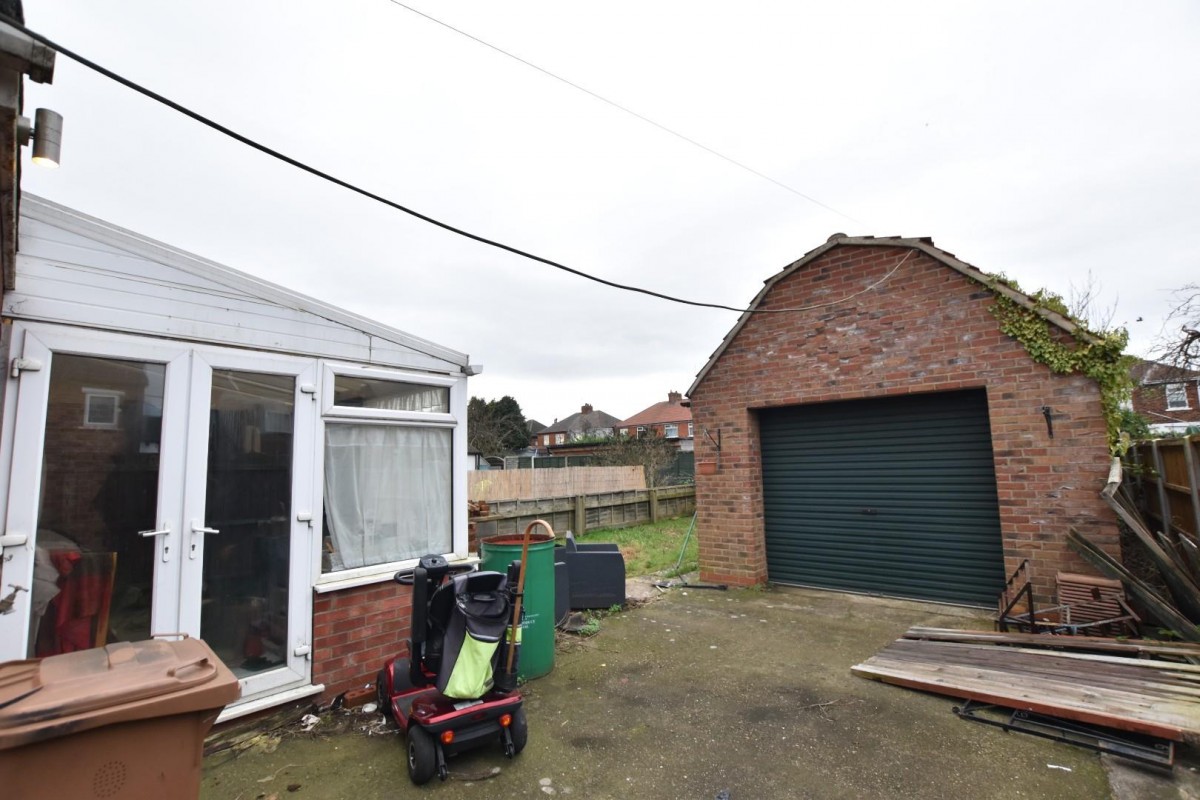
(355,631)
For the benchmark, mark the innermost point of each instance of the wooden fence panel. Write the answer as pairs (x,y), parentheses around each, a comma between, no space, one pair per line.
(1168,474)
(603,510)
(521,484)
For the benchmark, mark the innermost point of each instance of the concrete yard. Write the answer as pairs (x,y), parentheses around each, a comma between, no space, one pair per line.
(700,693)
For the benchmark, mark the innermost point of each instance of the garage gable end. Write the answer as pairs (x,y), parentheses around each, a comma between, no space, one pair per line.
(922,245)
(832,448)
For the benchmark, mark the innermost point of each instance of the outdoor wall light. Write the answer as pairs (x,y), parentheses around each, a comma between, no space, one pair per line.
(46,135)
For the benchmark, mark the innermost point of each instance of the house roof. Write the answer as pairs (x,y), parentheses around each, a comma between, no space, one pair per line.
(922,244)
(1149,373)
(586,419)
(239,284)
(669,410)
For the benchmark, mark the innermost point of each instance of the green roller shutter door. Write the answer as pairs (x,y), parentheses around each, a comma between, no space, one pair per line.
(893,496)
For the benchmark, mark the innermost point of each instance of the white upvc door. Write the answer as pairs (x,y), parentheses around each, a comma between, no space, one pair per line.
(125,456)
(93,443)
(247,525)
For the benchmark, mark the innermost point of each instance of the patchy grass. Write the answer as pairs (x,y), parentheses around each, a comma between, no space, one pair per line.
(650,549)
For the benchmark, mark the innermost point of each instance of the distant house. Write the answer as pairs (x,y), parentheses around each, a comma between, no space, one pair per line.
(534,427)
(572,434)
(670,419)
(1168,397)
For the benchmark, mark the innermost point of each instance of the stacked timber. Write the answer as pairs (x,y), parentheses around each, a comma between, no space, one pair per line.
(1058,676)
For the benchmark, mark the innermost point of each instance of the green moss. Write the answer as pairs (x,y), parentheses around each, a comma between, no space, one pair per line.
(1098,355)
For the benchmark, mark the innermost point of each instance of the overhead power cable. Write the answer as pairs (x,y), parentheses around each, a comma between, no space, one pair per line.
(627,110)
(251,143)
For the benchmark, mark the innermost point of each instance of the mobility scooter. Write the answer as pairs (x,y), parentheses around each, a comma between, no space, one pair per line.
(457,689)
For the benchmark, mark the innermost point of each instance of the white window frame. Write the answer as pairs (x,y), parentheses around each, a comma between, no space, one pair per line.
(560,438)
(691,433)
(333,414)
(88,395)
(1180,393)
(671,430)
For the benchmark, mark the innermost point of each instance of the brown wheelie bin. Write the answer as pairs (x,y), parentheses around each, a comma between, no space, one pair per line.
(123,721)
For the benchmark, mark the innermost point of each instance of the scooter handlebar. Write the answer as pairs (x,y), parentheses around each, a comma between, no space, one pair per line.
(405,577)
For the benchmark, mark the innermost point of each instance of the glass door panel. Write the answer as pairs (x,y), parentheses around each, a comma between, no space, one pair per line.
(247,549)
(93,573)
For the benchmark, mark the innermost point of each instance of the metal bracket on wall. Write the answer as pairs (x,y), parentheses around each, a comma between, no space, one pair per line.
(1050,416)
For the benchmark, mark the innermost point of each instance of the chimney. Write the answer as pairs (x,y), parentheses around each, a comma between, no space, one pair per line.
(674,397)
(587,408)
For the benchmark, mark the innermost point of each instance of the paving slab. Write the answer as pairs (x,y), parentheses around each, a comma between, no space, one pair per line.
(745,695)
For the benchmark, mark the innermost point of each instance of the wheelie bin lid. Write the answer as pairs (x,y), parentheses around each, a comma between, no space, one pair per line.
(60,695)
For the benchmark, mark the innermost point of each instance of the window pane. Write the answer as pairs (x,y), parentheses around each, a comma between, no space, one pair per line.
(387,494)
(355,392)
(1176,395)
(92,572)
(244,607)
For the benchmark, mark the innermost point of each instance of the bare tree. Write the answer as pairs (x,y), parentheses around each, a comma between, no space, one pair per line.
(1179,343)
(653,453)
(1083,303)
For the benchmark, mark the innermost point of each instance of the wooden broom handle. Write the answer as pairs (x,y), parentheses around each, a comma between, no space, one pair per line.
(516,619)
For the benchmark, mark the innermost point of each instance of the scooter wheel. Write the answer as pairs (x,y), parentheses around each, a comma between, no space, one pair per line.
(381,696)
(518,730)
(422,755)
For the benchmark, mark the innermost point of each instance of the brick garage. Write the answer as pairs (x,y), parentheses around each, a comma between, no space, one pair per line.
(893,318)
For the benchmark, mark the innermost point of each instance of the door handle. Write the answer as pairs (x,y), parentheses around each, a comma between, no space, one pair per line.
(166,543)
(198,530)
(11,540)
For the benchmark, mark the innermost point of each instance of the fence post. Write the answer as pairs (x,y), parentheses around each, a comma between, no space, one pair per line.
(1193,474)
(580,514)
(1164,505)
(653,505)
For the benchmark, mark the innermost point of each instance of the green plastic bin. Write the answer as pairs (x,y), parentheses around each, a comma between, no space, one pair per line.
(537,631)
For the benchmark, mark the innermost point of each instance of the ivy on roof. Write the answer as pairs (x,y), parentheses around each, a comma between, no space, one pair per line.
(1100,355)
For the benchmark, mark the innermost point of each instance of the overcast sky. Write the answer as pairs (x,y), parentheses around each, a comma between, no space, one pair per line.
(1043,140)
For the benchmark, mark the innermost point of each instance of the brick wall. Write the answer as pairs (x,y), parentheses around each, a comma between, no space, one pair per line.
(1150,400)
(927,328)
(355,631)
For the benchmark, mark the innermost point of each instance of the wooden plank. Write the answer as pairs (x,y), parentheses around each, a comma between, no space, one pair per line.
(1138,647)
(1183,588)
(1166,613)
(1118,677)
(1191,553)
(1047,706)
(1045,682)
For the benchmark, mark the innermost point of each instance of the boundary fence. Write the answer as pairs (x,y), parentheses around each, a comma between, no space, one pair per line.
(584,512)
(1168,471)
